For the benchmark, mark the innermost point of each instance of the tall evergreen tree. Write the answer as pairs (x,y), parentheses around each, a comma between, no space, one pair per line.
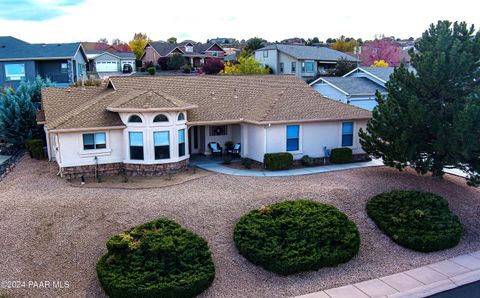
(18,111)
(431,117)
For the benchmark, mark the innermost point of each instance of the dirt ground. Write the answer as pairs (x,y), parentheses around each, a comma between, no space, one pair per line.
(55,232)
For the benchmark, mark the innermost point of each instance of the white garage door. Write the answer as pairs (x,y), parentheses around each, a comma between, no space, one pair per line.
(106,66)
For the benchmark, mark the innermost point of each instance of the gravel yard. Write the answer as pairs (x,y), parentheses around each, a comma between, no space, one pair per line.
(53,231)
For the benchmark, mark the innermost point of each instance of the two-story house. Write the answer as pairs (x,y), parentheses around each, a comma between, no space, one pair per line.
(63,63)
(305,62)
(195,54)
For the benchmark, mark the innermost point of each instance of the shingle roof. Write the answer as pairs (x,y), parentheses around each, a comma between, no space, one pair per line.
(381,72)
(257,99)
(13,48)
(311,53)
(355,86)
(163,48)
(122,55)
(139,100)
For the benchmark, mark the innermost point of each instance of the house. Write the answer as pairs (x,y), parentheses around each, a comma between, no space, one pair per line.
(152,125)
(305,62)
(108,62)
(357,87)
(63,63)
(194,53)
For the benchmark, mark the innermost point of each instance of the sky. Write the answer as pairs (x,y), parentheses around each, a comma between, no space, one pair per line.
(50,21)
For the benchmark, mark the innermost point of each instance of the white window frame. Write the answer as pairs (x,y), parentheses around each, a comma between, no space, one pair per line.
(265,54)
(14,77)
(300,139)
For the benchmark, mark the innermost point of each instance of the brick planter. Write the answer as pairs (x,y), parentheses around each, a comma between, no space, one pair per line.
(113,169)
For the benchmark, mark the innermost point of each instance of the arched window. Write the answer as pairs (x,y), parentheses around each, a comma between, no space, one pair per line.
(181,117)
(135,119)
(160,118)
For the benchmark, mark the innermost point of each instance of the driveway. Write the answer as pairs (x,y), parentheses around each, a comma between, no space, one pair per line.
(52,231)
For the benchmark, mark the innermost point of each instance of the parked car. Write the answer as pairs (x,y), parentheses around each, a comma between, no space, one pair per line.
(127,68)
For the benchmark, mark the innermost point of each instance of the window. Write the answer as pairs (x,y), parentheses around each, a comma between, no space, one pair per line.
(307,67)
(281,67)
(94,141)
(161,141)
(294,67)
(215,54)
(347,134)
(265,54)
(136,145)
(218,130)
(63,68)
(293,137)
(160,118)
(15,71)
(181,142)
(135,119)
(181,117)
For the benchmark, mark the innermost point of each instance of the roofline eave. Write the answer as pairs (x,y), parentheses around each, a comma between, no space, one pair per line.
(146,110)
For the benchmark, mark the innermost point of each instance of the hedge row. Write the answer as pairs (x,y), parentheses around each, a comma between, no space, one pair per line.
(278,161)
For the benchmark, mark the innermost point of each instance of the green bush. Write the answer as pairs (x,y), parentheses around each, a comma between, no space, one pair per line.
(187,69)
(278,161)
(341,155)
(151,70)
(247,163)
(156,259)
(295,236)
(227,159)
(420,221)
(35,148)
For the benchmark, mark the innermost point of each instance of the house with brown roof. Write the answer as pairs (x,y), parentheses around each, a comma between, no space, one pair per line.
(194,53)
(152,125)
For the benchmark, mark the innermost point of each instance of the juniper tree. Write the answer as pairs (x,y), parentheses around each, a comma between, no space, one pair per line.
(431,117)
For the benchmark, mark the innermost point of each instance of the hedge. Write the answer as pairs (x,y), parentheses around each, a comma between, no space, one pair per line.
(341,155)
(295,236)
(35,148)
(278,161)
(420,221)
(156,259)
(151,71)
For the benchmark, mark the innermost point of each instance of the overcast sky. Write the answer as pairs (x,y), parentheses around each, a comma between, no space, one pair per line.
(88,20)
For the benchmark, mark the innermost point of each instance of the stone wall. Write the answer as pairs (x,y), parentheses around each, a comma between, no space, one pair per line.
(113,169)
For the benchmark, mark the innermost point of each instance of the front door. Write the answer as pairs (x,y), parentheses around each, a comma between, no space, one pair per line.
(193,140)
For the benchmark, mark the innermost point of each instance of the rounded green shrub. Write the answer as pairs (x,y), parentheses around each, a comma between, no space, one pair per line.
(151,70)
(295,236)
(278,161)
(156,259)
(417,220)
(341,155)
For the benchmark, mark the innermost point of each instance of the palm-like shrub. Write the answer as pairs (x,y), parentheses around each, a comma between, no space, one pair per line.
(420,221)
(295,236)
(156,259)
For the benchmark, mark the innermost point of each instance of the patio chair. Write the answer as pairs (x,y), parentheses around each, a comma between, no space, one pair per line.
(235,150)
(215,149)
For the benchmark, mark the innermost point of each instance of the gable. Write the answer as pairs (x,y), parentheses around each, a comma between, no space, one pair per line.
(106,56)
(216,47)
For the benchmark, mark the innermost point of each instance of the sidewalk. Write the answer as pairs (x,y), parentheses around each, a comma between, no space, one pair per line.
(216,166)
(419,282)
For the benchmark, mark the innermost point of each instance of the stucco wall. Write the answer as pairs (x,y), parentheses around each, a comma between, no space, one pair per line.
(233,134)
(253,141)
(330,92)
(271,60)
(313,138)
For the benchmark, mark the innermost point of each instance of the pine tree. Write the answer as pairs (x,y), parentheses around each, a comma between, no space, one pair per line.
(431,116)
(18,111)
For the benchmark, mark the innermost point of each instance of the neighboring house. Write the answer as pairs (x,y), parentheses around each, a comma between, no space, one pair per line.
(357,87)
(305,62)
(152,125)
(110,62)
(195,54)
(63,63)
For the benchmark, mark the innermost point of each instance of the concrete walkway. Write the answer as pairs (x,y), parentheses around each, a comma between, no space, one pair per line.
(216,166)
(419,282)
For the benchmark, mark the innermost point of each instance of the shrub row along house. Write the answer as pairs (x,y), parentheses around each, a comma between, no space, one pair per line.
(151,125)
(194,54)
(357,87)
(63,63)
(306,62)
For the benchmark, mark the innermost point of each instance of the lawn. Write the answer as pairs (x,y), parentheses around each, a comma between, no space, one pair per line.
(52,230)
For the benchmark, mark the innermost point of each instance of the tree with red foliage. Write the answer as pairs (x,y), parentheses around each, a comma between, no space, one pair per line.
(385,49)
(212,66)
